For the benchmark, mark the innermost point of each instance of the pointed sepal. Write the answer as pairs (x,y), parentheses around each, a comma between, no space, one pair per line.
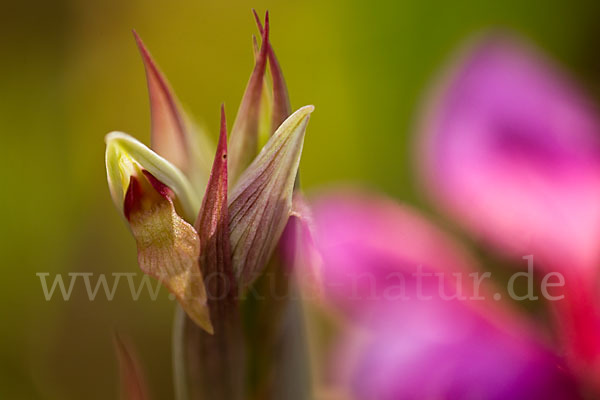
(168,124)
(173,136)
(218,358)
(212,225)
(243,141)
(260,203)
(281,101)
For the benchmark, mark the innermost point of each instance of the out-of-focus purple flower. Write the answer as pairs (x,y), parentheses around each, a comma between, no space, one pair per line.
(511,149)
(413,340)
(371,246)
(441,350)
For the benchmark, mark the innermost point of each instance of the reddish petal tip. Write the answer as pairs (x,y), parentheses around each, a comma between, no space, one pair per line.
(267,23)
(168,132)
(258,23)
(140,44)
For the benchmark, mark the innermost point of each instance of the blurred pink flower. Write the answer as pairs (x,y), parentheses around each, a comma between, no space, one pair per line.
(511,150)
(419,344)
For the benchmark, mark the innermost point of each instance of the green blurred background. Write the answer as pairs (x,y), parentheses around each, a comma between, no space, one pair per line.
(70,73)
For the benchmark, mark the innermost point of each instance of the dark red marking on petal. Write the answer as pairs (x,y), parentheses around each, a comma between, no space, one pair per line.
(222,146)
(160,187)
(137,190)
(132,197)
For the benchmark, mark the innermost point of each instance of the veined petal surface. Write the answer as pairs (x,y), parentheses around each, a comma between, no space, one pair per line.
(260,203)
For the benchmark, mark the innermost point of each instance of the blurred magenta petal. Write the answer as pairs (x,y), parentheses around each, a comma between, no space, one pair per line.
(577,323)
(445,350)
(416,348)
(511,150)
(370,244)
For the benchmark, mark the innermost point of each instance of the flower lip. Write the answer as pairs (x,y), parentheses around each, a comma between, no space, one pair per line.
(146,188)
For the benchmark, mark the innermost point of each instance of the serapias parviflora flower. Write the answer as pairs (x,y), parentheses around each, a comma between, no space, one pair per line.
(183,227)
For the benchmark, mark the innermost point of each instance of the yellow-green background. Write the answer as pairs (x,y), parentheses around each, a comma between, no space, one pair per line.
(70,72)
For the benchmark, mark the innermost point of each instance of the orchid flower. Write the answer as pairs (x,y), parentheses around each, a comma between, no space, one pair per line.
(511,151)
(208,233)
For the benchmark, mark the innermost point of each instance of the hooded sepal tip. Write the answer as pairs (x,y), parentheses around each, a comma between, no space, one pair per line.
(125,156)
